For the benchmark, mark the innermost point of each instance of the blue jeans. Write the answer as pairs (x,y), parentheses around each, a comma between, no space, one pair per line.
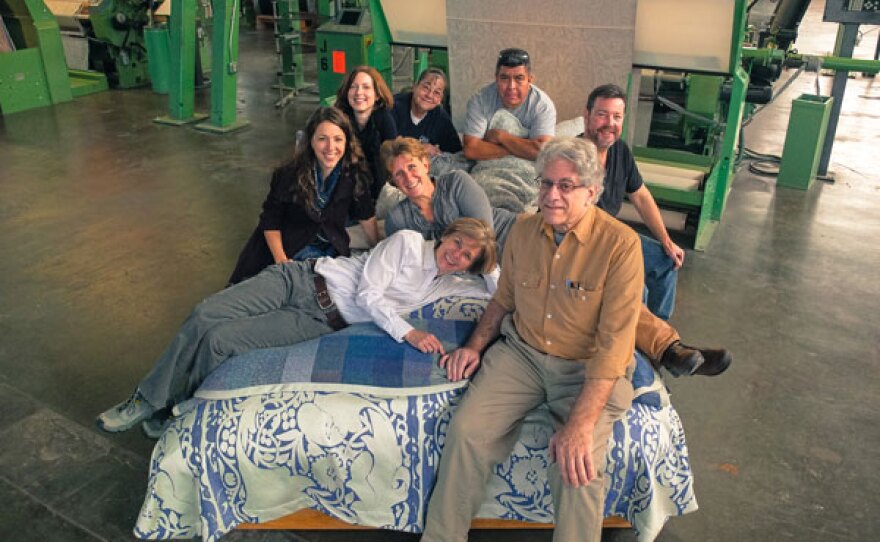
(661,278)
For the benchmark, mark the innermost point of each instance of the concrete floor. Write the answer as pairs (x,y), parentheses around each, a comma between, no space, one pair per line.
(112,228)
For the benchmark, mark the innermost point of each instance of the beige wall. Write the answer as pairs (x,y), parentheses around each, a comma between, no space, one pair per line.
(575,45)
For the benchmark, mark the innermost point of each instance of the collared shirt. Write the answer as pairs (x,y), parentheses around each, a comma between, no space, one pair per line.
(396,277)
(580,300)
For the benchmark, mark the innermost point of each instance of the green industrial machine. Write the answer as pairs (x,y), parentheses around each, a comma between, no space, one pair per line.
(813,122)
(357,36)
(224,67)
(33,72)
(116,44)
(288,46)
(693,99)
(697,102)
(157,40)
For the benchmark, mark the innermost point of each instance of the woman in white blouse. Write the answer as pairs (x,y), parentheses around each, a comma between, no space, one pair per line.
(296,301)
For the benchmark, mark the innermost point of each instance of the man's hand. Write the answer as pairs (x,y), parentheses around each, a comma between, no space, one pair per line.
(496,136)
(424,341)
(571,448)
(461,363)
(674,251)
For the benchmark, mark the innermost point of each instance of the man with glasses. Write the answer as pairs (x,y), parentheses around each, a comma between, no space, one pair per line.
(565,316)
(513,92)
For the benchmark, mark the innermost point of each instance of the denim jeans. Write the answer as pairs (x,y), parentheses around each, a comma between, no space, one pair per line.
(661,278)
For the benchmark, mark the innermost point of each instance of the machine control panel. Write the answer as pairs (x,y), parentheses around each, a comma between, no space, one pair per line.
(852,11)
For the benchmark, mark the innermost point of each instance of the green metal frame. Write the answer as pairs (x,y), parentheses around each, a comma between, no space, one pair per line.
(717,186)
(181,83)
(364,44)
(83,83)
(289,39)
(709,201)
(224,70)
(124,53)
(34,76)
(379,51)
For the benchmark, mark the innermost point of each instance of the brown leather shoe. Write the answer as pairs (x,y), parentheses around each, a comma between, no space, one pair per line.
(681,360)
(716,361)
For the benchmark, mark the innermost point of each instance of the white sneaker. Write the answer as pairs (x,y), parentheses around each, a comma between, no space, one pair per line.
(126,414)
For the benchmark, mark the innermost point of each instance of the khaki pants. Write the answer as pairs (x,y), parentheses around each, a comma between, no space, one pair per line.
(514,379)
(653,335)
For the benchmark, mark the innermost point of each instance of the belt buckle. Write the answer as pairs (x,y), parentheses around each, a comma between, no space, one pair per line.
(325,302)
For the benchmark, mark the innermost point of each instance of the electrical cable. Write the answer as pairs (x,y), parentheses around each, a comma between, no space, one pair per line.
(232,67)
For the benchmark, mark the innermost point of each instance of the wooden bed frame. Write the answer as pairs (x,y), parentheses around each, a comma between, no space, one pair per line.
(312,520)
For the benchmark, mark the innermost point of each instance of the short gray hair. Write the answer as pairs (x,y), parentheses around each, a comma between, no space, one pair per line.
(578,152)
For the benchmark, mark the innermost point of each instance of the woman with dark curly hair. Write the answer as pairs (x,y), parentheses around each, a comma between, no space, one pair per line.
(367,101)
(311,199)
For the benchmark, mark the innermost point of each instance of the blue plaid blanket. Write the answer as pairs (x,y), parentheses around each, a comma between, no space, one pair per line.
(359,356)
(363,357)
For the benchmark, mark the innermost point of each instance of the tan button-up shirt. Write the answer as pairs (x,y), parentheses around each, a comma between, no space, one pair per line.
(580,300)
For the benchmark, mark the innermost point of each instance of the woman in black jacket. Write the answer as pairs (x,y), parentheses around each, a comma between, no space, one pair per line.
(366,100)
(311,199)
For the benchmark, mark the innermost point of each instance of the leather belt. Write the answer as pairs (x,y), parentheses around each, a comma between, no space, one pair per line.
(325,302)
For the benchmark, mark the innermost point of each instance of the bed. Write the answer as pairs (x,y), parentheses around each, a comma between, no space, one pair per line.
(352,425)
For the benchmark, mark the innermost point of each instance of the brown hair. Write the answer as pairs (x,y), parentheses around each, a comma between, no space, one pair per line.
(605,91)
(384,99)
(393,148)
(482,233)
(301,168)
(433,72)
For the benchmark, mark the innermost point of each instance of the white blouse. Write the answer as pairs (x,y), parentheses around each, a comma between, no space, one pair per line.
(396,277)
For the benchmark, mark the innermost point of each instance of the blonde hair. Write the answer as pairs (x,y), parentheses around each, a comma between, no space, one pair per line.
(394,148)
(482,233)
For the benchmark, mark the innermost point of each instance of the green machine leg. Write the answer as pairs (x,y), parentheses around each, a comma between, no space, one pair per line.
(718,184)
(224,70)
(379,52)
(289,40)
(181,88)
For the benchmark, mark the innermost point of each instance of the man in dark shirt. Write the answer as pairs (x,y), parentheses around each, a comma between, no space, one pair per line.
(603,121)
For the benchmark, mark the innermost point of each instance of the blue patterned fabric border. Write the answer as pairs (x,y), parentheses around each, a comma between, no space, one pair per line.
(270,434)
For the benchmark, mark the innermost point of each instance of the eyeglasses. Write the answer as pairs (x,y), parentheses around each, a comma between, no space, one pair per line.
(512,58)
(565,186)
